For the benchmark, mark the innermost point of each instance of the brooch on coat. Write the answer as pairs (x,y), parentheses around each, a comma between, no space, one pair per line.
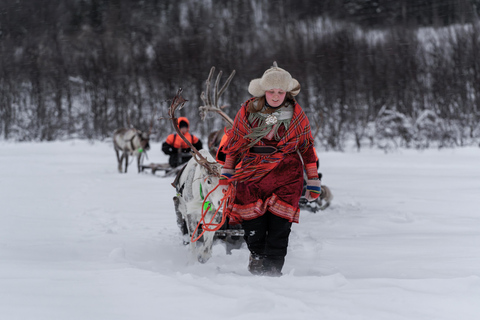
(271,119)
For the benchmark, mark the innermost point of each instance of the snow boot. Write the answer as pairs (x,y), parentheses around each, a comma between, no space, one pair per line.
(272,266)
(255,264)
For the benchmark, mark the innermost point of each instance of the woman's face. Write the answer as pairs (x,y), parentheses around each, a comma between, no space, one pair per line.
(275,97)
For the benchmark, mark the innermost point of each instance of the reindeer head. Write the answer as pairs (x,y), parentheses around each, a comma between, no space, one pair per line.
(144,139)
(209,181)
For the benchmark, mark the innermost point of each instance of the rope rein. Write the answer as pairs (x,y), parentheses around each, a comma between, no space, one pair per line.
(211,226)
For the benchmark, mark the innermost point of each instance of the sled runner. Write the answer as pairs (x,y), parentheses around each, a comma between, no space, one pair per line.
(165,167)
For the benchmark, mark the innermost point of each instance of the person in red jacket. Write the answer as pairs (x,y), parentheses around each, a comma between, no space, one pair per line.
(267,151)
(176,148)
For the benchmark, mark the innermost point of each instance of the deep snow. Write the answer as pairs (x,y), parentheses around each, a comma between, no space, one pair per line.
(78,240)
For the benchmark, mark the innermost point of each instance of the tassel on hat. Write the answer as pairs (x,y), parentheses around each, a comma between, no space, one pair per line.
(274,78)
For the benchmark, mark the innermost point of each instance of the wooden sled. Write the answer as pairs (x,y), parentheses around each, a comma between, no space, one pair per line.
(154,167)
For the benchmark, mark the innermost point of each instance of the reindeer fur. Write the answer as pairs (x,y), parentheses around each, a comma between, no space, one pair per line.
(188,204)
(128,142)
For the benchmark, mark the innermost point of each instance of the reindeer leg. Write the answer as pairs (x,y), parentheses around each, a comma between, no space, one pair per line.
(140,158)
(120,164)
(192,245)
(126,161)
(181,223)
(196,248)
(119,161)
(204,251)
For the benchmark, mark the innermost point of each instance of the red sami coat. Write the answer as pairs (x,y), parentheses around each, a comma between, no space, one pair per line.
(268,182)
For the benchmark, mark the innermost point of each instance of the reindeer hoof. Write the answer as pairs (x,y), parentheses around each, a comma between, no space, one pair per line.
(202,259)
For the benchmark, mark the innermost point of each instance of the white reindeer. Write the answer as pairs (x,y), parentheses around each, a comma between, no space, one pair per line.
(194,183)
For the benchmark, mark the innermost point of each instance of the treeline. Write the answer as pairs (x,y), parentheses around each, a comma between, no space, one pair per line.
(84,68)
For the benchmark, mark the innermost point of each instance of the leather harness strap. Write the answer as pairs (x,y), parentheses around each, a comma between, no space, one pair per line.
(177,181)
(131,142)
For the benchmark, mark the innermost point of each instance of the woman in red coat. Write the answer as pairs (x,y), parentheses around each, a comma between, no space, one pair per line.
(267,150)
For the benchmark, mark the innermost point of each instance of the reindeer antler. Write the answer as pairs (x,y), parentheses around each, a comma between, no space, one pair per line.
(151,121)
(177,103)
(206,96)
(129,123)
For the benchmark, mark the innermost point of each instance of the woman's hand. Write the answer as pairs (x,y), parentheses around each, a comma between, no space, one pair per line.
(313,189)
(226,176)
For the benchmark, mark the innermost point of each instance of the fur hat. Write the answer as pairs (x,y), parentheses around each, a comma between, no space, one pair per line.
(274,78)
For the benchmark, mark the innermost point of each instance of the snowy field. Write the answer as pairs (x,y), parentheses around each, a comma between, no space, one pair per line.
(80,241)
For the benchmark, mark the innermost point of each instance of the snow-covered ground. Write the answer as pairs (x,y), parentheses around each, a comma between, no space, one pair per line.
(78,240)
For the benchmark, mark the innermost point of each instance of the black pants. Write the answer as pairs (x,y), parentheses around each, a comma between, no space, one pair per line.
(267,236)
(178,159)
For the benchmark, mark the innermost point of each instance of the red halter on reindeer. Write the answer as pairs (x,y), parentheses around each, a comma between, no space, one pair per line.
(197,203)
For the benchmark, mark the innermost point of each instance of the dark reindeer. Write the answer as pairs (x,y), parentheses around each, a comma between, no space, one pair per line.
(131,142)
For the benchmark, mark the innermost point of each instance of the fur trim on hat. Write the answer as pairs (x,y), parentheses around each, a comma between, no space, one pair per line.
(274,78)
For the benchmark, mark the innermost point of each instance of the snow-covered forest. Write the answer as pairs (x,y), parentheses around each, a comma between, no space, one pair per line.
(400,73)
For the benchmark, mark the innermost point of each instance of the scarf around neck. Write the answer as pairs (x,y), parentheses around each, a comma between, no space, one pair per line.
(266,127)
(243,136)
